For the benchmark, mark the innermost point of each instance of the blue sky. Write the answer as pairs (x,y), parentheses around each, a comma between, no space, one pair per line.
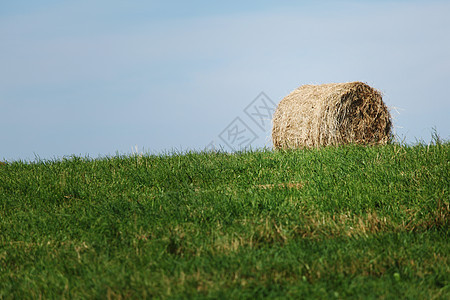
(100,77)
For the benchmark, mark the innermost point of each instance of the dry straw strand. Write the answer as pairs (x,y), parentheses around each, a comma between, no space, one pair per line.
(331,114)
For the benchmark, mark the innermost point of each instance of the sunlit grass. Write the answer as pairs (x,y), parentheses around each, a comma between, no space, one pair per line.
(330,223)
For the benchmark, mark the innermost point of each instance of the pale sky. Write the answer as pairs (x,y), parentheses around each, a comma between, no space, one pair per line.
(102,77)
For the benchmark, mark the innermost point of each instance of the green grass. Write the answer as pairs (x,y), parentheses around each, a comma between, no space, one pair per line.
(345,222)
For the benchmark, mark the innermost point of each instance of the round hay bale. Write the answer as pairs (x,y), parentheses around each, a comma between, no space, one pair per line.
(331,114)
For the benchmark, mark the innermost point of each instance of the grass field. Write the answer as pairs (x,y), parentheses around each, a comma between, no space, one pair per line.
(345,222)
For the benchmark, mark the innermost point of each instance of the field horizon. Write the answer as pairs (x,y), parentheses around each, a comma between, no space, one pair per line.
(337,222)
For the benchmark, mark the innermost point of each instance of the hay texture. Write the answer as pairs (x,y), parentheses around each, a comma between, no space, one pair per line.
(331,114)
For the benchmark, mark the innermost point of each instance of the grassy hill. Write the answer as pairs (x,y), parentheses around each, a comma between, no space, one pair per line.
(339,222)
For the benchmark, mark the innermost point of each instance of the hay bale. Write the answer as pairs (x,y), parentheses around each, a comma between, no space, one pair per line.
(331,114)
